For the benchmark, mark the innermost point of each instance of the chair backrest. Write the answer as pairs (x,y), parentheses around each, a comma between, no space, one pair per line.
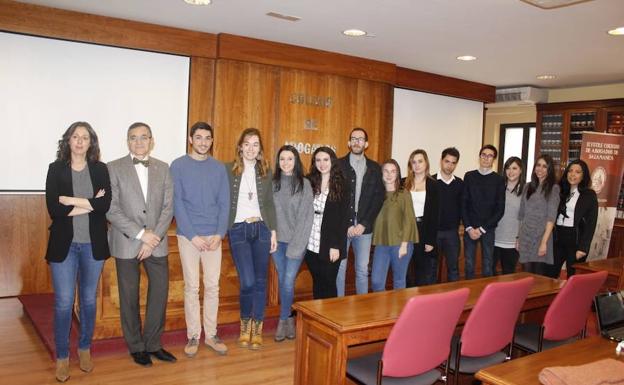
(421,338)
(491,323)
(567,314)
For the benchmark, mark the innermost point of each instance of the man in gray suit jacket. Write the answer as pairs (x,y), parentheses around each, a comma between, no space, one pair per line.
(140,214)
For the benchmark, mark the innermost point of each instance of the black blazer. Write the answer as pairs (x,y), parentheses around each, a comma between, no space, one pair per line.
(58,183)
(334,226)
(371,196)
(431,213)
(585,217)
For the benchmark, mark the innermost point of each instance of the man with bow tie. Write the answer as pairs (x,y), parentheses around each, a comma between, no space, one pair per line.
(140,215)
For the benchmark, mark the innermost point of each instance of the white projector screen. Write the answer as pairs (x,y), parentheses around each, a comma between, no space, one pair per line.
(47,84)
(433,123)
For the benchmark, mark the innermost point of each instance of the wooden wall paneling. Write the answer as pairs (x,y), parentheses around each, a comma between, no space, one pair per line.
(23,240)
(444,85)
(373,112)
(69,25)
(201,90)
(290,56)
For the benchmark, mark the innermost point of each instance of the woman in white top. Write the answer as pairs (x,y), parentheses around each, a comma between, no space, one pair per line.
(576,218)
(424,191)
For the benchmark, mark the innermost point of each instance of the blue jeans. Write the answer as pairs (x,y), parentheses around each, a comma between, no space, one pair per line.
(78,265)
(250,244)
(361,250)
(448,244)
(487,254)
(385,256)
(287,269)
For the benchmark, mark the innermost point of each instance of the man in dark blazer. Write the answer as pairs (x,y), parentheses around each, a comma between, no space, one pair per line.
(140,214)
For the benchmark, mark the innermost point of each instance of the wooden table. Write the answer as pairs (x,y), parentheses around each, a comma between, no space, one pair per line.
(525,370)
(327,328)
(614,266)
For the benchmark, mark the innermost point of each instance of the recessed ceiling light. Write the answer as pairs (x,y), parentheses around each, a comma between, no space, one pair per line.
(619,31)
(198,2)
(466,58)
(545,77)
(354,32)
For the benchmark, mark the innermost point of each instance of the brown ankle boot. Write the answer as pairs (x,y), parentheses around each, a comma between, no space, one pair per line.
(245,333)
(256,335)
(62,370)
(86,365)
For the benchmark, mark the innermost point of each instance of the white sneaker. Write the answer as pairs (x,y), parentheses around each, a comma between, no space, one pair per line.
(217,345)
(191,347)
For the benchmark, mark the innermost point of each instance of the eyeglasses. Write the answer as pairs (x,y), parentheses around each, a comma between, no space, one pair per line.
(356,140)
(486,156)
(142,138)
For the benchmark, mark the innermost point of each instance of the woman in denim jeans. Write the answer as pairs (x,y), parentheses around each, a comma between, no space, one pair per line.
(292,195)
(395,231)
(78,196)
(252,232)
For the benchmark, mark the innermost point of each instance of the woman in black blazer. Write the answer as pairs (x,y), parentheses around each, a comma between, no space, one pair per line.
(424,191)
(328,239)
(78,196)
(576,220)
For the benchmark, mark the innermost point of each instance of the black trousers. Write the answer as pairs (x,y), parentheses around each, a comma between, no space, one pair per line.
(508,259)
(420,270)
(324,273)
(565,249)
(128,279)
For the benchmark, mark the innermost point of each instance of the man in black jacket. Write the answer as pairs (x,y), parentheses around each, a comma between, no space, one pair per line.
(367,196)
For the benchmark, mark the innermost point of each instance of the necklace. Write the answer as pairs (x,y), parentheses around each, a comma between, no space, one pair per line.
(249,187)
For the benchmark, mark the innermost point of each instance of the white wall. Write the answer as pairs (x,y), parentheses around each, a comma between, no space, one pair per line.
(434,122)
(47,84)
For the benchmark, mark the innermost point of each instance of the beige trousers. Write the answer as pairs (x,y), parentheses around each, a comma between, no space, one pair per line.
(210,261)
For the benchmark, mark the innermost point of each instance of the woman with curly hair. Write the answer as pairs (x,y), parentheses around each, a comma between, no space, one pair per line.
(78,195)
(576,217)
(327,244)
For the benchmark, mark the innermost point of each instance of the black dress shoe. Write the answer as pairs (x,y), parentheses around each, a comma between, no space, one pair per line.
(142,358)
(163,355)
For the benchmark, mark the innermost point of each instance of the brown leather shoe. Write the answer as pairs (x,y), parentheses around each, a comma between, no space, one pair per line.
(62,370)
(84,356)
(245,333)
(256,335)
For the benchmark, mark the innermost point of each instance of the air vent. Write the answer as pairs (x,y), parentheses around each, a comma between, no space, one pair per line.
(283,17)
(520,96)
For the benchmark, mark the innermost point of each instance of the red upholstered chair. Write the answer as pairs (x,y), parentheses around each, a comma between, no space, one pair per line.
(417,345)
(490,326)
(566,316)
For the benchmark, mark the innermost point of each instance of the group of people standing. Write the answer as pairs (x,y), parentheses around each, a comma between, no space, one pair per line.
(292,216)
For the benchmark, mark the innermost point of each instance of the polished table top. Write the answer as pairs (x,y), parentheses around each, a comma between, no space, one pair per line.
(612,265)
(525,370)
(351,313)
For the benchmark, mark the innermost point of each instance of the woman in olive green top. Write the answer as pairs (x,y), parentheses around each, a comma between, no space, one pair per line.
(395,231)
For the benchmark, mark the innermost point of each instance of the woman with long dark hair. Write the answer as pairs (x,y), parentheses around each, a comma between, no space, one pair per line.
(327,244)
(537,215)
(507,228)
(394,232)
(292,195)
(78,195)
(424,192)
(576,218)
(252,232)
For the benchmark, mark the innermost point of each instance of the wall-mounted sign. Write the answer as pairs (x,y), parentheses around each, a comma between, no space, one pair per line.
(311,100)
(308,148)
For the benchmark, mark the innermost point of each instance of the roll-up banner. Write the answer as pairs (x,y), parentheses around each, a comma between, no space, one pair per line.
(603,153)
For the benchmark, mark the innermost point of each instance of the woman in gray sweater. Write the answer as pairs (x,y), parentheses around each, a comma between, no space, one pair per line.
(538,212)
(292,195)
(507,228)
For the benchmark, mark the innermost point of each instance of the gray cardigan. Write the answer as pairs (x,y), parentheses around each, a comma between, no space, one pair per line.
(295,214)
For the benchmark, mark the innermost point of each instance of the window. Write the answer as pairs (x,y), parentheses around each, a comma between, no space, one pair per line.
(517,139)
